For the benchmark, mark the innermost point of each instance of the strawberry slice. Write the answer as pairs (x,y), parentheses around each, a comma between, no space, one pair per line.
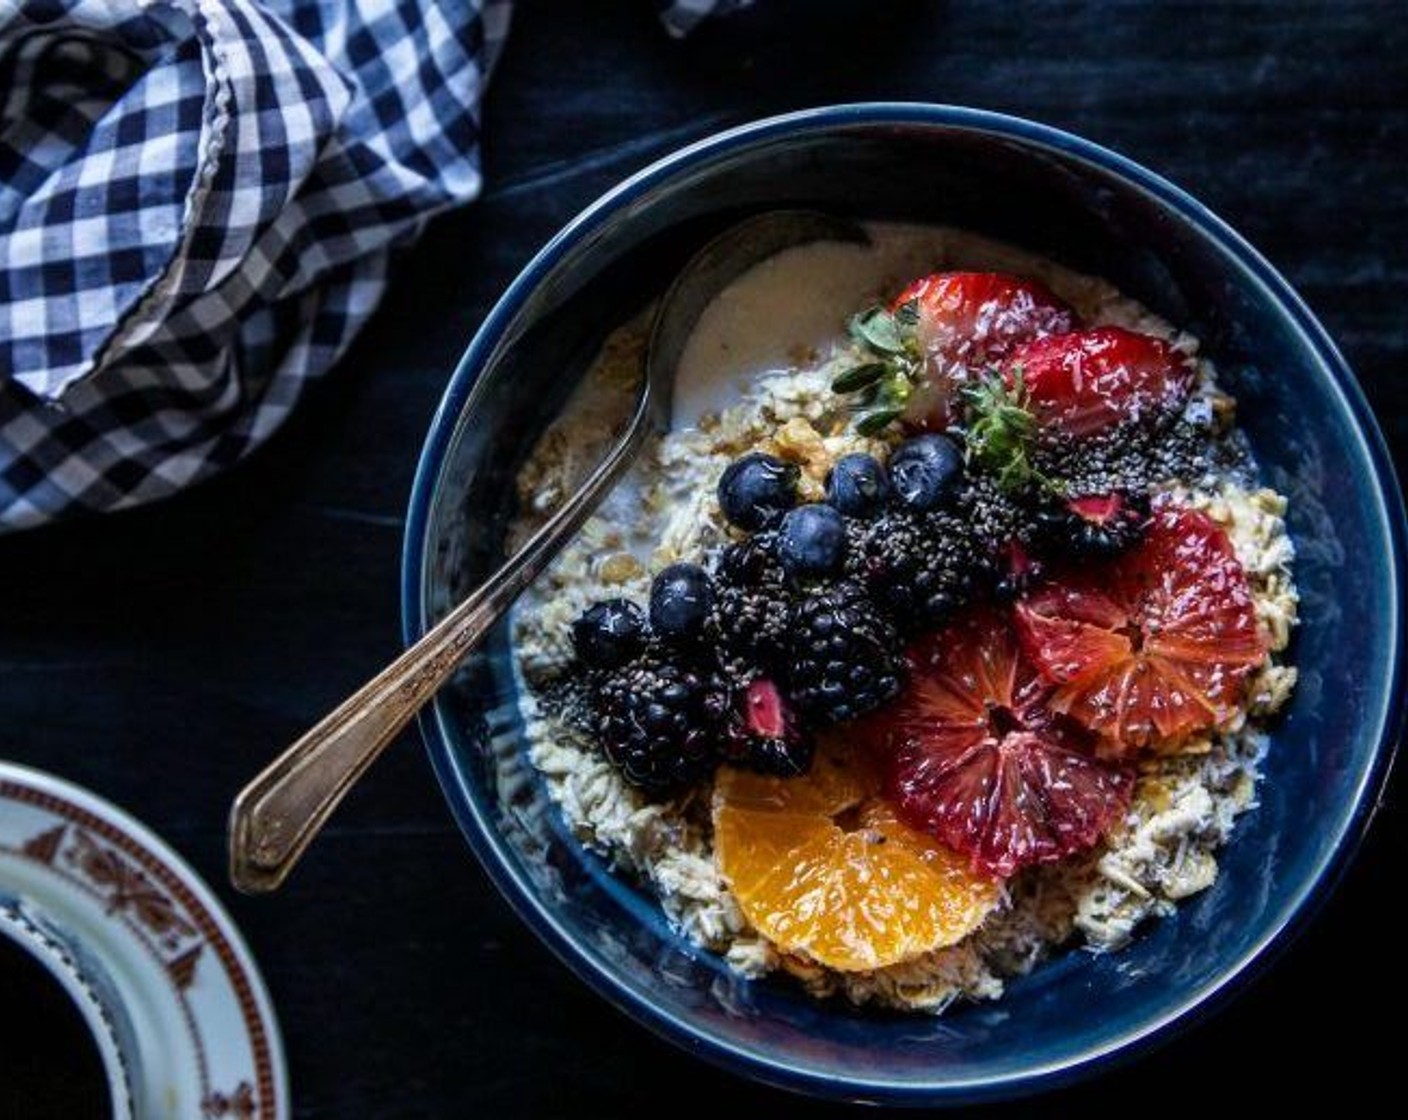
(968,321)
(1154,646)
(1083,382)
(975,756)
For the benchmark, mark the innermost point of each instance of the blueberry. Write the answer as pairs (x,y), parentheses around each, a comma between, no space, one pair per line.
(858,485)
(925,471)
(609,633)
(757,489)
(811,541)
(680,600)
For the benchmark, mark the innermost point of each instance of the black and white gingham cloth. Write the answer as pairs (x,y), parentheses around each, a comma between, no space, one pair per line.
(682,16)
(197,203)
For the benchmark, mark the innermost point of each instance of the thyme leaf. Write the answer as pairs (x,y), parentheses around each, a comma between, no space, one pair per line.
(859,377)
(878,329)
(1002,430)
(873,423)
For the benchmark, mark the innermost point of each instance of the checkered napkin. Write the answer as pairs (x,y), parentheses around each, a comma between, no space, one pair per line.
(683,16)
(198,199)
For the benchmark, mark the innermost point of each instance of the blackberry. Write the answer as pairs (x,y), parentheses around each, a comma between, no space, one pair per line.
(660,722)
(1018,570)
(782,758)
(752,605)
(766,736)
(752,562)
(923,567)
(1096,526)
(1009,524)
(844,655)
(997,516)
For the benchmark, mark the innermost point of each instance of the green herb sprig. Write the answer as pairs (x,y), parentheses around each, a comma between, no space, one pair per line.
(893,366)
(1001,431)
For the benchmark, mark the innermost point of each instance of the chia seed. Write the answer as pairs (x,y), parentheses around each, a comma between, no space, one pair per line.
(995,515)
(1132,457)
(568,698)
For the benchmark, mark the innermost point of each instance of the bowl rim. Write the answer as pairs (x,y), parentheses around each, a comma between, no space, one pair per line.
(487,846)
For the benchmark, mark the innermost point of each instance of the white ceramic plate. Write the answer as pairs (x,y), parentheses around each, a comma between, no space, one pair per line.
(207,1043)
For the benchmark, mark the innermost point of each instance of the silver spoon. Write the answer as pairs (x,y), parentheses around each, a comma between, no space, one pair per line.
(276,816)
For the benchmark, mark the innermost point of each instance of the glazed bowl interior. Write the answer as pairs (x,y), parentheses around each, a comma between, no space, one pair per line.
(1090,210)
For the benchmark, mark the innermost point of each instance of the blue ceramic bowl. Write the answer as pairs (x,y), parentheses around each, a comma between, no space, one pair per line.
(1090,209)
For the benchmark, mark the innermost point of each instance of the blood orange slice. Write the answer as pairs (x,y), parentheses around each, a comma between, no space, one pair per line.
(976,758)
(1154,646)
(822,867)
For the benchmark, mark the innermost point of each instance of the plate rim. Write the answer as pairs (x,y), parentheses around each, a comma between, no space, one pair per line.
(60,796)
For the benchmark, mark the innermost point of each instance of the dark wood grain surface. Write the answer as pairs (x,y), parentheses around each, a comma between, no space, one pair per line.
(161,657)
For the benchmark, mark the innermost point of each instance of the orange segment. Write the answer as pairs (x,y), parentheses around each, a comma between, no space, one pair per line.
(834,784)
(822,866)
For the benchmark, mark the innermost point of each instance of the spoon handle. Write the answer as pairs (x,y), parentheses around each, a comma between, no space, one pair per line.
(276,816)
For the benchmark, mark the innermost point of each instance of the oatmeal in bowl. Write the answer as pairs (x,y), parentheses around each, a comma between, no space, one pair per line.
(1006,697)
(941,633)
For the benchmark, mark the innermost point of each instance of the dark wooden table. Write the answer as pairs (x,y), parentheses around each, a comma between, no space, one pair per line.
(162,656)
